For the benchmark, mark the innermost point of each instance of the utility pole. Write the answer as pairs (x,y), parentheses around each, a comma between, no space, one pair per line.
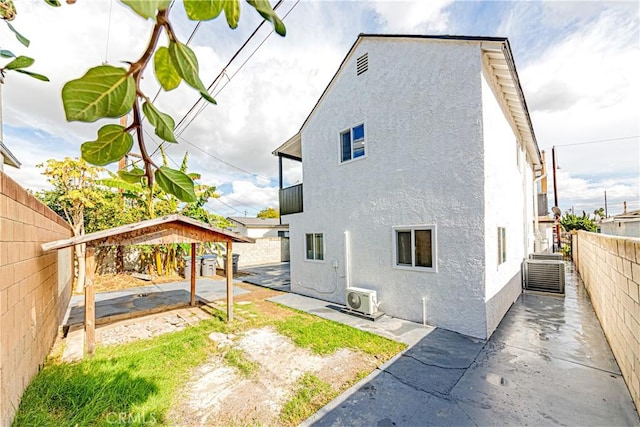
(606,214)
(555,195)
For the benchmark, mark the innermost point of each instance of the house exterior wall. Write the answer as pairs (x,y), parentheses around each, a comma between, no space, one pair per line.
(423,165)
(625,228)
(508,204)
(610,269)
(35,288)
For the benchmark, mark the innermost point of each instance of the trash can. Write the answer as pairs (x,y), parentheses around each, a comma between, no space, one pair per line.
(187,267)
(209,264)
(234,262)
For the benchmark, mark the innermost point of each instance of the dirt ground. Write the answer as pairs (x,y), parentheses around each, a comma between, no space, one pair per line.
(219,395)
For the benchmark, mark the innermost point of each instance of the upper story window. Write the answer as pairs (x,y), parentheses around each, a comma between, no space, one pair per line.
(352,143)
(415,247)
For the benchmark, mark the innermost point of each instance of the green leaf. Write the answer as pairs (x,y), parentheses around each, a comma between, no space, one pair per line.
(112,144)
(163,123)
(6,54)
(104,91)
(232,12)
(121,185)
(263,7)
(147,8)
(186,64)
(20,62)
(166,73)
(34,75)
(176,183)
(54,3)
(133,176)
(203,10)
(22,39)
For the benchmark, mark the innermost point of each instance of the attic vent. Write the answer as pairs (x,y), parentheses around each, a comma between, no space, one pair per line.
(544,275)
(362,64)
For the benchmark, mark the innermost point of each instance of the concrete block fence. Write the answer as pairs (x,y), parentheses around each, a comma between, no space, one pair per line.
(610,269)
(35,288)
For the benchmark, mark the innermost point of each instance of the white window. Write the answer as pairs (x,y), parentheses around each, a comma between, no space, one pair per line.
(502,245)
(315,246)
(352,143)
(415,247)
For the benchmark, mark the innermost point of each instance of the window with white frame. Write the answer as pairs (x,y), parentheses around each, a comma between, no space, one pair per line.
(415,247)
(314,246)
(502,245)
(352,143)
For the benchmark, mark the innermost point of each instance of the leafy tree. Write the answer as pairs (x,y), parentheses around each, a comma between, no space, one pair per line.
(74,191)
(268,213)
(599,213)
(574,222)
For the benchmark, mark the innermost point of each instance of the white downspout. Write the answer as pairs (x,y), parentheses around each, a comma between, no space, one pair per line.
(347,260)
(424,311)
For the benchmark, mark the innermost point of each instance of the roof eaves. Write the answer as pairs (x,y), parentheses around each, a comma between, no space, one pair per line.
(9,158)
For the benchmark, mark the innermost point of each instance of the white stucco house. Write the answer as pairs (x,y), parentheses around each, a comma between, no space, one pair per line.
(419,167)
(257,228)
(626,224)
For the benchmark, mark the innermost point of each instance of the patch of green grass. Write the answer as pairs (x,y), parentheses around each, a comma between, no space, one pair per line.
(324,337)
(236,358)
(311,395)
(129,384)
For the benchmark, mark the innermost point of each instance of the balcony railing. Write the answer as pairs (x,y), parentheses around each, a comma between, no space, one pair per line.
(291,200)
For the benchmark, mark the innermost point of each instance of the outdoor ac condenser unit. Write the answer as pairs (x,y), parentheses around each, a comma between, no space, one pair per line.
(544,275)
(362,300)
(546,255)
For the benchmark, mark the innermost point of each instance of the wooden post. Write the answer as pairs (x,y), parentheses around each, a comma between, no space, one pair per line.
(89,302)
(229,275)
(193,275)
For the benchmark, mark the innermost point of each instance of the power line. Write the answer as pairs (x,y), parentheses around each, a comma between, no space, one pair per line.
(223,72)
(224,161)
(597,141)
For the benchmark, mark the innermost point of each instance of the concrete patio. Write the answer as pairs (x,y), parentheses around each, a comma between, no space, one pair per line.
(547,364)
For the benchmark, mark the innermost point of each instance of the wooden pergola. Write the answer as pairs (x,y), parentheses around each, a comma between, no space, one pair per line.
(159,231)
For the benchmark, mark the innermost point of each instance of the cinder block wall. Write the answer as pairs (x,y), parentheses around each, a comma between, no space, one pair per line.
(610,269)
(266,250)
(34,289)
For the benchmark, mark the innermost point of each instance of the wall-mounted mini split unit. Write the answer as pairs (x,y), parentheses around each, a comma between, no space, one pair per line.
(362,300)
(546,255)
(544,275)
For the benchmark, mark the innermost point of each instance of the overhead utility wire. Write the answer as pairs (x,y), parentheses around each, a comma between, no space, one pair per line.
(229,78)
(596,141)
(222,161)
(224,69)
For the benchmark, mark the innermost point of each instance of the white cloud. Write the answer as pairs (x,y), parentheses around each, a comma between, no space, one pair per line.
(400,16)
(588,194)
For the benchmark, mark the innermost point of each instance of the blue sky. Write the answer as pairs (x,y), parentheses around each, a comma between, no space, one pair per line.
(578,62)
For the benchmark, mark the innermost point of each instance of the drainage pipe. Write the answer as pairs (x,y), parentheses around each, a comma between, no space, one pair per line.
(424,311)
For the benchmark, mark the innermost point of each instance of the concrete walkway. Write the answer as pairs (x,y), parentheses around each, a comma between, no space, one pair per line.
(547,364)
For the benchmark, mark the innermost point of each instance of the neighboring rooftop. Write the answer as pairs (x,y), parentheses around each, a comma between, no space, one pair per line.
(257,222)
